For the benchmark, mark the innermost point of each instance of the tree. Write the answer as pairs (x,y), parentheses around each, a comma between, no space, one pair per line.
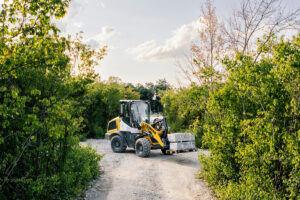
(255,18)
(161,84)
(145,93)
(253,126)
(102,103)
(185,109)
(203,63)
(83,58)
(40,106)
(150,92)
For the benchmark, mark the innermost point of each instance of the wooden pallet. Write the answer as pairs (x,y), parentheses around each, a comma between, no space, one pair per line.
(180,151)
(170,152)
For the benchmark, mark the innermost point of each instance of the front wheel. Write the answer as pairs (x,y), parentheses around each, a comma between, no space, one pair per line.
(142,147)
(117,144)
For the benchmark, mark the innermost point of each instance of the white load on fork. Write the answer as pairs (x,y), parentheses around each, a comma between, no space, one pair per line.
(182,141)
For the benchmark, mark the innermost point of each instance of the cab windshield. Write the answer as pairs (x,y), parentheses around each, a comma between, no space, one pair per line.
(140,112)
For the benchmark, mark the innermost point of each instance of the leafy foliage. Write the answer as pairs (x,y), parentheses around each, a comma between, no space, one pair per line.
(150,93)
(102,104)
(253,126)
(185,109)
(200,66)
(40,105)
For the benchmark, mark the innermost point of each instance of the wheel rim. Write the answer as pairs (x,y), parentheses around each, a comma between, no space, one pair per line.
(116,143)
(139,147)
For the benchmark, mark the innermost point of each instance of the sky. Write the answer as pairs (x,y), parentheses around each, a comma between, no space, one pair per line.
(145,38)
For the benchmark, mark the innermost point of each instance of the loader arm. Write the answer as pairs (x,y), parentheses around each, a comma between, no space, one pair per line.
(148,128)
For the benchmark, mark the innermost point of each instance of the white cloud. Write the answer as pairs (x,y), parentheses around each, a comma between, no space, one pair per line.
(175,46)
(78,24)
(142,48)
(101,3)
(75,7)
(106,34)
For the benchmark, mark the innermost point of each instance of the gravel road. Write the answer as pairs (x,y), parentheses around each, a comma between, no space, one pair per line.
(129,177)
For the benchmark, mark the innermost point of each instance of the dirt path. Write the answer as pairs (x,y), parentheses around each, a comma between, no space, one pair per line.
(129,177)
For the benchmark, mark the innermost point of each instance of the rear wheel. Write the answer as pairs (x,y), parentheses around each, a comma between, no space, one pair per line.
(142,147)
(117,144)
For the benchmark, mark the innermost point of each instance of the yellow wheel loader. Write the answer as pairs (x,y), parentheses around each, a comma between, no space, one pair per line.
(133,129)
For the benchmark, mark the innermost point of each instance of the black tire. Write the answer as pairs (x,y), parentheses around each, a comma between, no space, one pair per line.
(164,151)
(117,144)
(142,147)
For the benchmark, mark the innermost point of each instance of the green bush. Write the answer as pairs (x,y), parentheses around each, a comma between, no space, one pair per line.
(185,109)
(252,129)
(40,104)
(80,167)
(102,103)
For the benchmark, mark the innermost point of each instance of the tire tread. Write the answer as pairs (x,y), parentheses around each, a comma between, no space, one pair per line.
(146,147)
(120,149)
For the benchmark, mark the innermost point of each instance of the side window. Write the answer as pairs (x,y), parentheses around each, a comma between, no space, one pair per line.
(125,113)
(112,125)
(133,112)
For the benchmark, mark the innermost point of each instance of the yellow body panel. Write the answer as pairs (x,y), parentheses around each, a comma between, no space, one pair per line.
(144,127)
(118,120)
(156,134)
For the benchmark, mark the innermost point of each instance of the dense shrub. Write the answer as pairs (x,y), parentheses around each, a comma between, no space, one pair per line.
(102,103)
(80,167)
(185,109)
(40,110)
(150,91)
(253,126)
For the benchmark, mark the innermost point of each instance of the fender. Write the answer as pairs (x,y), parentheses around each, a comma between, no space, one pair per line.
(110,135)
(127,137)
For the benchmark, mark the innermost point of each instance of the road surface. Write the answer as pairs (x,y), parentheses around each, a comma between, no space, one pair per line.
(129,177)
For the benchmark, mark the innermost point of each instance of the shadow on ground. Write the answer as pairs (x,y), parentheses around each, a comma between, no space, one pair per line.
(177,158)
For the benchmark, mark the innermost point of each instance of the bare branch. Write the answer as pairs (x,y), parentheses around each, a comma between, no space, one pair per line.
(256,17)
(201,64)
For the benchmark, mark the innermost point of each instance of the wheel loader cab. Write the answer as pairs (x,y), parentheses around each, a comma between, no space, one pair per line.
(132,129)
(133,113)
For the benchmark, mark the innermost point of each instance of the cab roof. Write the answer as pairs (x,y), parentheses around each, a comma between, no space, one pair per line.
(125,100)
